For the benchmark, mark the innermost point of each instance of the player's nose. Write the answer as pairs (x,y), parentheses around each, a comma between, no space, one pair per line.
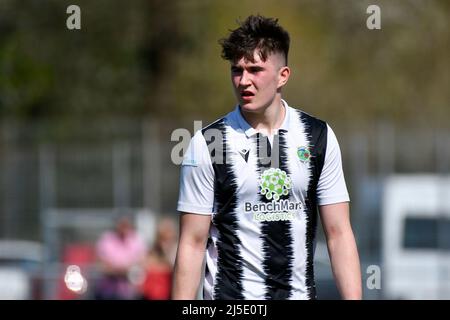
(245,79)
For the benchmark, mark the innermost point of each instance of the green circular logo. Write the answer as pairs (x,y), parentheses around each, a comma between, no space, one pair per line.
(303,154)
(274,183)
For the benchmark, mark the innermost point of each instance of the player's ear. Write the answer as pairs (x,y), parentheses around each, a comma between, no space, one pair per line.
(283,76)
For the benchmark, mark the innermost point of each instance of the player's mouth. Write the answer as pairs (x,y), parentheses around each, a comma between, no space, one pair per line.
(247,95)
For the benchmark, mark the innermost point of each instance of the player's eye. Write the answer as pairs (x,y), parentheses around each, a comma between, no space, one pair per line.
(255,69)
(236,70)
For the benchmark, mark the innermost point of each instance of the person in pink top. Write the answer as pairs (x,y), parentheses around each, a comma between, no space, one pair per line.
(118,252)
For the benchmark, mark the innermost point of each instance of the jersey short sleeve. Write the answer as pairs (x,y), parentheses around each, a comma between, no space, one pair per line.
(331,187)
(196,194)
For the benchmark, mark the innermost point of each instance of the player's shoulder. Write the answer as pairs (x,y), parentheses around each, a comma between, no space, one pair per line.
(215,125)
(203,136)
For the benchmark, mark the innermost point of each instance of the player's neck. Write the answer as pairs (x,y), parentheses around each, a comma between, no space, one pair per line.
(269,120)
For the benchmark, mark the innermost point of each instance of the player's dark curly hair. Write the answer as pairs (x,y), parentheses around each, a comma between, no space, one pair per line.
(256,32)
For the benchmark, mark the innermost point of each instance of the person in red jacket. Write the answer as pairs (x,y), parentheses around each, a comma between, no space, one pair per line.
(159,263)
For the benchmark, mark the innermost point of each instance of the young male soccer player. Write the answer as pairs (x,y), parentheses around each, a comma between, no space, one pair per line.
(254,210)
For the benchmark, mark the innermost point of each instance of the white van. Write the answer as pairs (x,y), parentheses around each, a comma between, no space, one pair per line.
(20,268)
(416,237)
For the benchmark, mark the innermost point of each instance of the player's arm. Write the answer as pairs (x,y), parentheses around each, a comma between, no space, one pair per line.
(195,202)
(194,230)
(342,249)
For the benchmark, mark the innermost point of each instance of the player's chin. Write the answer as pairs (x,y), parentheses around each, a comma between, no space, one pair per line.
(248,106)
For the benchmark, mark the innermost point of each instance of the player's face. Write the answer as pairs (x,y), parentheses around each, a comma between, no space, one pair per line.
(257,83)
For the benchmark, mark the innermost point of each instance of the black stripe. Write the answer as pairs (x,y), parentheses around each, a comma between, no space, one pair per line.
(316,133)
(228,284)
(276,235)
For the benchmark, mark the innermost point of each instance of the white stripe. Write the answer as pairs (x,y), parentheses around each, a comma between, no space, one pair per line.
(248,231)
(300,171)
(211,262)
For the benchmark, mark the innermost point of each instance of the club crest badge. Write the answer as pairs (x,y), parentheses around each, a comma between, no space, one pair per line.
(304,154)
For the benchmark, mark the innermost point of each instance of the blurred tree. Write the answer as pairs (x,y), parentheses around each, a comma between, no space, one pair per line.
(162,59)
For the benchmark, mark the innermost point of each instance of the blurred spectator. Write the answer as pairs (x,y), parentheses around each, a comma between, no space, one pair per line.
(119,251)
(159,263)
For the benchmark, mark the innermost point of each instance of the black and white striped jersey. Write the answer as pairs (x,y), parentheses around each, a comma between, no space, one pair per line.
(262,194)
